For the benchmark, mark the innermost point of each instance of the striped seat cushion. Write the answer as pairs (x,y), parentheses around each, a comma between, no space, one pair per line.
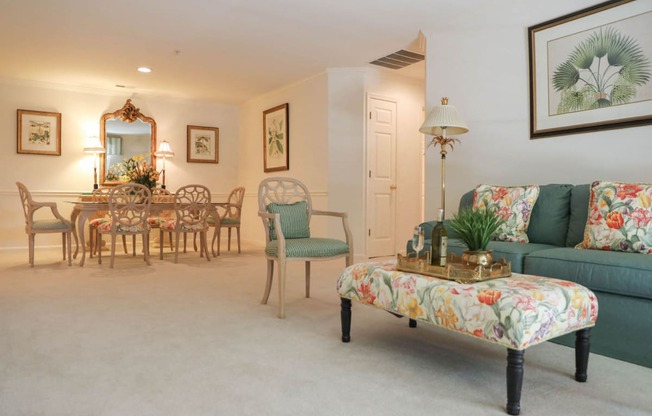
(49,225)
(309,247)
(224,221)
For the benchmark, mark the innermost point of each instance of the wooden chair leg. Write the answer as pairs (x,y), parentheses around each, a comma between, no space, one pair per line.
(213,241)
(238,231)
(270,277)
(307,279)
(133,245)
(63,245)
(113,249)
(229,240)
(69,238)
(99,252)
(160,246)
(146,248)
(124,244)
(30,240)
(204,244)
(176,251)
(281,289)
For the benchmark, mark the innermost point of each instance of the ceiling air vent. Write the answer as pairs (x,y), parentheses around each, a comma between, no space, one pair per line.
(398,60)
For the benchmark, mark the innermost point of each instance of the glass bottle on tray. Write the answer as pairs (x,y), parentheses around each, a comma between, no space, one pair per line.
(439,242)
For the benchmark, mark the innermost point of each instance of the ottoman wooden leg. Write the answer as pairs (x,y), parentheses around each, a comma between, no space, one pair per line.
(412,323)
(346,319)
(514,381)
(582,347)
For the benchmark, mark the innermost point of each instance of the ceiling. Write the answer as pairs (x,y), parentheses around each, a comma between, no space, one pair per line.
(206,50)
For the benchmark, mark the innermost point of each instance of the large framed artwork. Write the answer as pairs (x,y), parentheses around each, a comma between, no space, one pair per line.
(592,69)
(276,138)
(39,133)
(203,144)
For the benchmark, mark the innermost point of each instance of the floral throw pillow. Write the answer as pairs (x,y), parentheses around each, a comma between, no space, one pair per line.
(620,217)
(513,203)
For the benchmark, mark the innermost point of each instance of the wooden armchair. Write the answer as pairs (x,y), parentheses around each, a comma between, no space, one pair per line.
(285,208)
(230,218)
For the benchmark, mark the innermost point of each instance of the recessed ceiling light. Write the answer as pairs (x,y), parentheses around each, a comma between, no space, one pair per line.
(144,69)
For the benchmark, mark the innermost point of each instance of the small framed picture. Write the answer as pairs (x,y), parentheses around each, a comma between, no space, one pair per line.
(276,139)
(39,133)
(203,144)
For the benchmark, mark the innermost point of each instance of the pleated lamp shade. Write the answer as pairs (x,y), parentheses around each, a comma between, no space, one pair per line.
(444,116)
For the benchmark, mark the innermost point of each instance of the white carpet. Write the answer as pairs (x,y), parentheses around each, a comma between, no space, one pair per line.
(193,339)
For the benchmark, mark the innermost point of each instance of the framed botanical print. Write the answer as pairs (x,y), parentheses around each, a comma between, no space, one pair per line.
(203,144)
(276,139)
(39,133)
(592,69)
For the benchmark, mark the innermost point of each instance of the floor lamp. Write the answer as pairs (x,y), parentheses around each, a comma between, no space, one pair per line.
(442,121)
(95,147)
(164,151)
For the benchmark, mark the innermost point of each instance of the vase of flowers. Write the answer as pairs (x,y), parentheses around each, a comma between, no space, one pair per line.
(135,169)
(475,228)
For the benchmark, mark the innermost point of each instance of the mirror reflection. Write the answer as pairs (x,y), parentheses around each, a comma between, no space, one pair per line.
(125,133)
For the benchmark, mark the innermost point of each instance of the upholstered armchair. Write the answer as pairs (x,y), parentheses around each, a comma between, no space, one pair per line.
(33,226)
(285,207)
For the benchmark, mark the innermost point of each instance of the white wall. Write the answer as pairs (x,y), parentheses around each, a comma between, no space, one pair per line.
(308,147)
(62,178)
(481,63)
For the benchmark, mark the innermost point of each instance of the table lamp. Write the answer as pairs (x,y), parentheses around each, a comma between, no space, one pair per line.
(443,120)
(95,147)
(164,150)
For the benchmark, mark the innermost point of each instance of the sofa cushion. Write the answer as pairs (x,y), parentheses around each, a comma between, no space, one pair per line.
(550,215)
(513,203)
(627,274)
(620,217)
(579,212)
(514,253)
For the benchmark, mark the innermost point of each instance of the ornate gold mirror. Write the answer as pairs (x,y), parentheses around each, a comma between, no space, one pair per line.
(125,133)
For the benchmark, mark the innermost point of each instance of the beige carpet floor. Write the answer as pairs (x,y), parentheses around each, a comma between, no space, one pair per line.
(193,339)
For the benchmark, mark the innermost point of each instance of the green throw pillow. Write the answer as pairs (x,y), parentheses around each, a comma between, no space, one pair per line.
(294,219)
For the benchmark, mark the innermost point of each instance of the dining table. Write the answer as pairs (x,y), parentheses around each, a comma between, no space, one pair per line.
(83,210)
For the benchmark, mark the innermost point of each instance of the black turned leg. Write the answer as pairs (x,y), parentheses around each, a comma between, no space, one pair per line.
(582,347)
(514,381)
(413,323)
(346,319)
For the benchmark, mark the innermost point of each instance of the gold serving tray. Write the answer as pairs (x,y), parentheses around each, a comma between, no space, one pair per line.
(455,269)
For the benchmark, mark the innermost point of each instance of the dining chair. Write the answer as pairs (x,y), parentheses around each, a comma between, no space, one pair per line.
(229,218)
(129,206)
(33,226)
(192,204)
(100,195)
(160,194)
(285,207)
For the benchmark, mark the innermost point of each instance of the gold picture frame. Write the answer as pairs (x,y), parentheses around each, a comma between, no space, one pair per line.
(203,144)
(591,70)
(276,138)
(39,133)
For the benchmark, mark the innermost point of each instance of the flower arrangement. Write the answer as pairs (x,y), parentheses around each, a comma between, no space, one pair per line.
(134,169)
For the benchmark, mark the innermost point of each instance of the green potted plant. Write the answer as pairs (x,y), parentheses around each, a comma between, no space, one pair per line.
(475,227)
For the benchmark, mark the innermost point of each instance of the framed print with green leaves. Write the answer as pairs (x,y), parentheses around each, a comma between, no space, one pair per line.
(39,133)
(276,138)
(591,70)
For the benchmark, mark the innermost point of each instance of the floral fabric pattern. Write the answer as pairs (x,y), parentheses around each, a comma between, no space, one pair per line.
(515,312)
(620,217)
(512,203)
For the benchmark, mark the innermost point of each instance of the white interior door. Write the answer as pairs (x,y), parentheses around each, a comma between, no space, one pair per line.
(381,177)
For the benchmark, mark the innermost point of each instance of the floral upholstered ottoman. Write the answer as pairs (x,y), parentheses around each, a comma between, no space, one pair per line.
(515,312)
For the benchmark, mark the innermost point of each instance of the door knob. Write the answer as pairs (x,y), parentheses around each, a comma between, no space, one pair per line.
(392,187)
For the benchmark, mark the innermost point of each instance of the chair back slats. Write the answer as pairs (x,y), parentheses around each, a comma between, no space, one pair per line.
(235,200)
(101,194)
(191,204)
(129,205)
(25,201)
(280,190)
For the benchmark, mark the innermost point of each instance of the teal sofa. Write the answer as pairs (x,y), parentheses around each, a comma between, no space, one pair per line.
(621,281)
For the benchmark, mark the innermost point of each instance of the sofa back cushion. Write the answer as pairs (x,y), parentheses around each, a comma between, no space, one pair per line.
(579,213)
(550,216)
